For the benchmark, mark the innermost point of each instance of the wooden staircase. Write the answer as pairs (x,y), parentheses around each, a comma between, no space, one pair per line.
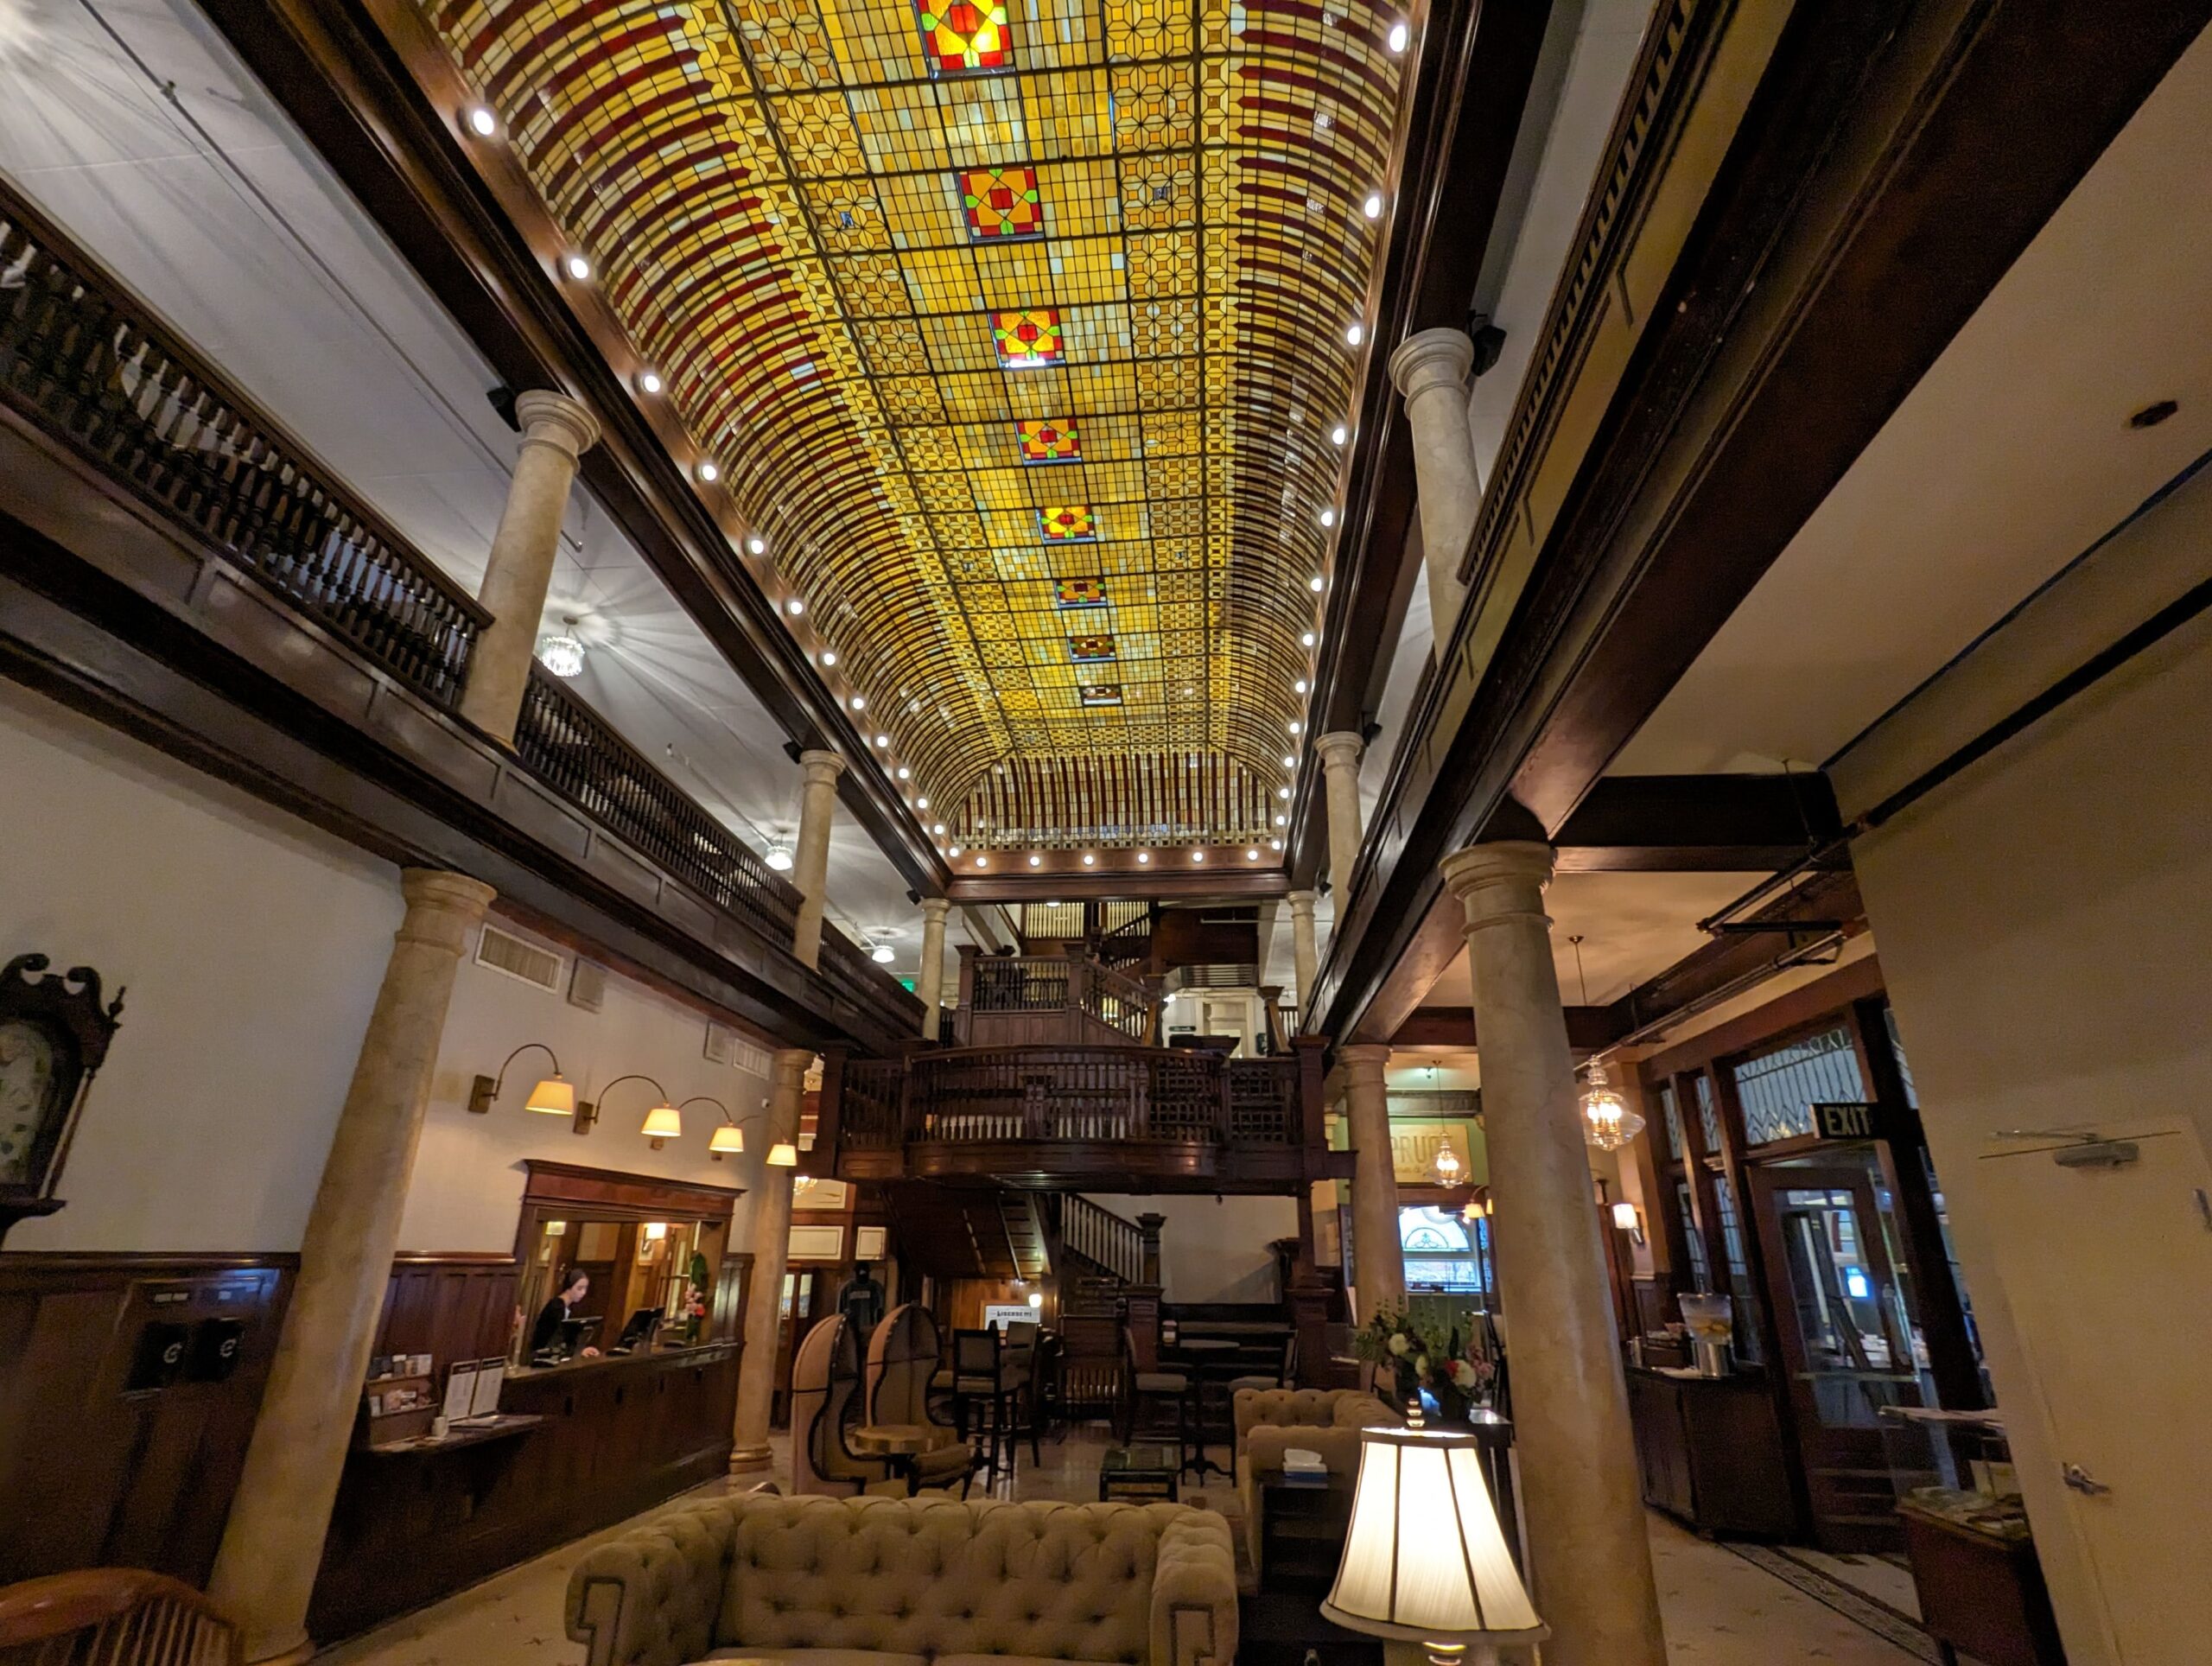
(968,1232)
(1102,1258)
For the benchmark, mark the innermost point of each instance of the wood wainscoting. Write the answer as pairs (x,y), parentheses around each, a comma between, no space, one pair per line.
(620,1435)
(129,1387)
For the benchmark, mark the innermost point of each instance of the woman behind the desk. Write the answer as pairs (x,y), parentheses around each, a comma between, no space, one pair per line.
(547,1332)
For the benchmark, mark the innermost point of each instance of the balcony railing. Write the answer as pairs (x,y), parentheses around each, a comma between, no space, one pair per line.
(1001,988)
(86,362)
(572,749)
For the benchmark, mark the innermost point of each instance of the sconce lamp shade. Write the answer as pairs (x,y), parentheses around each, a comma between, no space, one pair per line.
(1424,1559)
(728,1136)
(664,1121)
(1625,1218)
(782,1155)
(555,1097)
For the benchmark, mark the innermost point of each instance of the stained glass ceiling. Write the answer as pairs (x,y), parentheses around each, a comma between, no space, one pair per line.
(1017,335)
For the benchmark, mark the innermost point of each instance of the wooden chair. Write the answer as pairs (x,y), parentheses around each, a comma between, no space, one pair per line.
(1286,1374)
(113,1616)
(1090,1383)
(983,1383)
(1144,1389)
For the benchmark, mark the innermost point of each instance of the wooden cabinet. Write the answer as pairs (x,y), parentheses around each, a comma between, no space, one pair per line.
(1980,1595)
(1711,1451)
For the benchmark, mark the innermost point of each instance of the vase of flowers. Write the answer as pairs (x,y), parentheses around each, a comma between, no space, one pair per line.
(1446,1376)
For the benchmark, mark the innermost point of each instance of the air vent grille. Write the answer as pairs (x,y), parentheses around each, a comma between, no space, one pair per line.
(588,985)
(505,953)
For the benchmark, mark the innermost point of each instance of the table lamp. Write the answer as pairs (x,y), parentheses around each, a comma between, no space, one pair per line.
(1424,1558)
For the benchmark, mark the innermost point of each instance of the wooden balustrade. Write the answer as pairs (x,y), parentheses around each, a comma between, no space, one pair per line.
(1014,999)
(113,1616)
(91,365)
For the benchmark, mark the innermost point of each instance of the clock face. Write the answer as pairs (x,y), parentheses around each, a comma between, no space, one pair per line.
(27,1096)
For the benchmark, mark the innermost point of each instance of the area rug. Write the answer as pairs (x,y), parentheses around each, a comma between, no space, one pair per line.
(1884,1621)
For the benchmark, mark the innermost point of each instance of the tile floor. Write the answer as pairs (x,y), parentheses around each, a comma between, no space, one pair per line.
(1720,1610)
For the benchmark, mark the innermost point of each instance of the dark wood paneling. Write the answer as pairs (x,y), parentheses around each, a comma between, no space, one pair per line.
(1711,1451)
(93,1472)
(450,1306)
(619,1436)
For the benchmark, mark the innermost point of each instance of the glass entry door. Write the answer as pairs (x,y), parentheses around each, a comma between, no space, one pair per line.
(1848,1340)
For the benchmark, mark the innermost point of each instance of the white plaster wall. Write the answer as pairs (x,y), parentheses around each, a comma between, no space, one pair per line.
(468,1173)
(2044,920)
(1215,1248)
(252,946)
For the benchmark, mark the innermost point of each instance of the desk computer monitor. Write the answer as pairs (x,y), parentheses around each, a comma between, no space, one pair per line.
(640,1331)
(576,1335)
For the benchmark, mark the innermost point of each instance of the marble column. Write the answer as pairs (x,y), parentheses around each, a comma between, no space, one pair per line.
(929,985)
(265,1569)
(771,1240)
(1304,959)
(1430,370)
(556,432)
(817,806)
(1378,1264)
(1340,780)
(1581,1496)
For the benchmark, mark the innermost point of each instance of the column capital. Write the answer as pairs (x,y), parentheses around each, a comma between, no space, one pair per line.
(1339,747)
(1302,902)
(790,1065)
(1430,359)
(441,907)
(555,419)
(934,909)
(1364,1059)
(1506,877)
(821,766)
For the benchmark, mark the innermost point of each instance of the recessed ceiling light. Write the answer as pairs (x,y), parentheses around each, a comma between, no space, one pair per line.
(983,861)
(756,546)
(902,772)
(1282,792)
(1288,761)
(1090,860)
(954,851)
(1316,583)
(938,831)
(1399,37)
(860,703)
(1355,333)
(481,122)
(1298,687)
(1373,207)
(650,380)
(1293,725)
(1252,856)
(1338,435)
(1197,855)
(1308,639)
(828,656)
(795,606)
(1328,518)
(1282,820)
(708,471)
(1144,856)
(921,804)
(1036,861)
(883,740)
(1274,845)
(576,267)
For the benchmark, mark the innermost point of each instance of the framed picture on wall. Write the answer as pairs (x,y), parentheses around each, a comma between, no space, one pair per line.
(817,1243)
(870,1242)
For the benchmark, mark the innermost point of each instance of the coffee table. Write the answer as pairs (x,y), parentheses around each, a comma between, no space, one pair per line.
(898,1444)
(1139,1474)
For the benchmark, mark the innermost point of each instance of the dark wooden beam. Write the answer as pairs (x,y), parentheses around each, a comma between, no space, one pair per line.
(1477,64)
(359,81)
(1894,160)
(1697,824)
(1588,1028)
(1168,881)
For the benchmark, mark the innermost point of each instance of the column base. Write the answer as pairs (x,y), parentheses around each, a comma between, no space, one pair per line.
(750,1460)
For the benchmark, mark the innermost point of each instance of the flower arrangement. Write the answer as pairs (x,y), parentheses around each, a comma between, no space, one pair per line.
(1447,1375)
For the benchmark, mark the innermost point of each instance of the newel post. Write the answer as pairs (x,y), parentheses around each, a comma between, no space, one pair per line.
(820,1160)
(1148,1246)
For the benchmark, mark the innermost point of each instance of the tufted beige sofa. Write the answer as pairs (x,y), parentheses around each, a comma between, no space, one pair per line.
(879,1582)
(1269,1421)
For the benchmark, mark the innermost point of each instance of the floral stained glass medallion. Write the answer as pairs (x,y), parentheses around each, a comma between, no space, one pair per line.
(1100,694)
(1001,204)
(1079,592)
(1088,649)
(962,36)
(1028,339)
(1043,441)
(1067,523)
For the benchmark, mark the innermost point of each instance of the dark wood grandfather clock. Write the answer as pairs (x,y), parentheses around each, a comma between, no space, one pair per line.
(53,1037)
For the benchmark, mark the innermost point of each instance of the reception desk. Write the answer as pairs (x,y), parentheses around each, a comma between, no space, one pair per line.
(613,1436)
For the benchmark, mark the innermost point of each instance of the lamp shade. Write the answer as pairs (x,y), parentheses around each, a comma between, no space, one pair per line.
(1424,1558)
(782,1155)
(554,1095)
(728,1136)
(664,1121)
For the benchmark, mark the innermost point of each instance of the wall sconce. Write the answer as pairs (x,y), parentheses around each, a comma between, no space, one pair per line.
(664,1121)
(1625,1219)
(729,1136)
(554,1095)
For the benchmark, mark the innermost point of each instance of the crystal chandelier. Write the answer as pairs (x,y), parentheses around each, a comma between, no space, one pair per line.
(562,652)
(1607,1123)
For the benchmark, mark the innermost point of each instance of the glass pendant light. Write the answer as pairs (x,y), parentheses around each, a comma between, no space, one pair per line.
(1607,1123)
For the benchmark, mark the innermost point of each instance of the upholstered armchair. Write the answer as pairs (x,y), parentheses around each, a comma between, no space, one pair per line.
(928,1581)
(1269,1421)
